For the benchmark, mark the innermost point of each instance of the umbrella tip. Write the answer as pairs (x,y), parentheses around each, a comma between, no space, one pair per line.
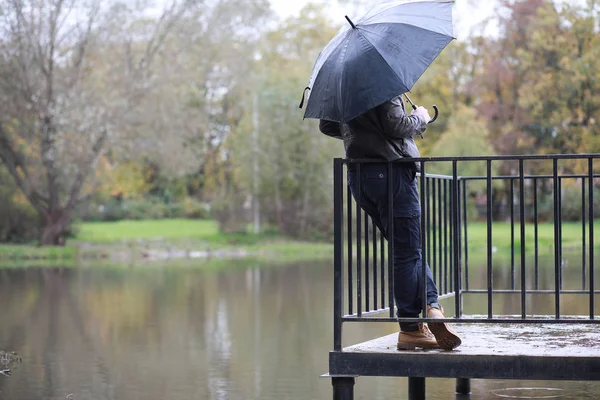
(351,23)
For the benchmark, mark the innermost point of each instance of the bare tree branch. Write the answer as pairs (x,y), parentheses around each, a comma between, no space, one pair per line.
(14,162)
(84,171)
(82,45)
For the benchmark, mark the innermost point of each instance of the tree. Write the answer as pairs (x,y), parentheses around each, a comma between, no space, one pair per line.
(293,177)
(560,92)
(199,79)
(448,83)
(60,104)
(467,135)
(538,90)
(501,82)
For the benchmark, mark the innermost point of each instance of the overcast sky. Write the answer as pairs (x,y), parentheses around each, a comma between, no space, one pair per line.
(467,13)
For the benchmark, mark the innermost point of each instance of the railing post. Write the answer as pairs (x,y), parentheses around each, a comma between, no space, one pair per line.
(447,232)
(456,238)
(375,276)
(338,215)
(434,234)
(367,272)
(557,258)
(536,234)
(390,235)
(424,244)
(591,229)
(522,226)
(465,221)
(440,239)
(349,245)
(583,242)
(512,234)
(359,288)
(490,283)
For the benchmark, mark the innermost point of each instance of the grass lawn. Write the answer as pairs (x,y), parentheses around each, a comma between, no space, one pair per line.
(166,229)
(203,235)
(160,235)
(501,235)
(17,255)
(34,252)
(182,231)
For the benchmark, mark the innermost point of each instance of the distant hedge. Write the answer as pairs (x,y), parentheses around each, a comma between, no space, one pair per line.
(147,208)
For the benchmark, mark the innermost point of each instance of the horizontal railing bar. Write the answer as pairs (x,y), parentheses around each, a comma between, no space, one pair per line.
(387,309)
(371,313)
(435,176)
(481,158)
(533,291)
(528,321)
(507,177)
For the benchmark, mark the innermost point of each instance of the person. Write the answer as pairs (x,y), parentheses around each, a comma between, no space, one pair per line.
(387,133)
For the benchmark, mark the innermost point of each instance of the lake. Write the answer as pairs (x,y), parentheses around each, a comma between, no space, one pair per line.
(246,331)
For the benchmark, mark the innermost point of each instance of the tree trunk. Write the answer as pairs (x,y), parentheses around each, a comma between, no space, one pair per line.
(55,228)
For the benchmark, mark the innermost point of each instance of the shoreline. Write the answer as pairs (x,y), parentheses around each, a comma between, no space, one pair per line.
(156,251)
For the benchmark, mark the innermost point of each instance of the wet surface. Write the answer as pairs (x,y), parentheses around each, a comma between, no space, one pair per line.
(546,340)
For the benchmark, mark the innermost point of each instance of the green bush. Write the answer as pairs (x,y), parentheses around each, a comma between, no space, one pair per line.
(19,223)
(175,210)
(571,203)
(142,208)
(195,209)
(113,210)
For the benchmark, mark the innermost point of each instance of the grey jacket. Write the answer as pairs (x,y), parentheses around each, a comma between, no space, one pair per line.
(384,132)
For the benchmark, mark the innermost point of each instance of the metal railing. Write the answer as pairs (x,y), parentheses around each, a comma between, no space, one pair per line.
(363,261)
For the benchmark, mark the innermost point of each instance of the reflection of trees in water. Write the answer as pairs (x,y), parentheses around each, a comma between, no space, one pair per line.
(54,319)
(159,333)
(541,304)
(251,333)
(218,345)
(276,311)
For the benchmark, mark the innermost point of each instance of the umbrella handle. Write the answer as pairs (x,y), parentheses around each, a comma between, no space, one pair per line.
(414,107)
(437,112)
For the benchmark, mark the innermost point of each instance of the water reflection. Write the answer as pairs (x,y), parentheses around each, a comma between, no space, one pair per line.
(183,333)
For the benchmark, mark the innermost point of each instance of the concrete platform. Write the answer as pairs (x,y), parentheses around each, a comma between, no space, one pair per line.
(489,351)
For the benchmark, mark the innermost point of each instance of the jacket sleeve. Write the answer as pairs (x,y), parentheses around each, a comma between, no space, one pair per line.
(397,124)
(330,128)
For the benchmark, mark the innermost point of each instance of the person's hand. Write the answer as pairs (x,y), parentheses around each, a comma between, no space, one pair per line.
(422,111)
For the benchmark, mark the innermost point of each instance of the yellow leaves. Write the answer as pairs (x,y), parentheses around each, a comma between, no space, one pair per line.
(128,179)
(19,198)
(467,135)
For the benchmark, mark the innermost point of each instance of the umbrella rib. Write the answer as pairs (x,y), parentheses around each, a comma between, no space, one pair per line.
(343,59)
(379,54)
(432,61)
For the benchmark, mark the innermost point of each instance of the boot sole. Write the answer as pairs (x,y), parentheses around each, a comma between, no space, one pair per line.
(446,339)
(410,346)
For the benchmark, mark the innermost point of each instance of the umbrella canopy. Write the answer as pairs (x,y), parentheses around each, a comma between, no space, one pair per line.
(377,58)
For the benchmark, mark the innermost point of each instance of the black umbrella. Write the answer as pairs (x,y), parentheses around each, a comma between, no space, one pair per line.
(377,58)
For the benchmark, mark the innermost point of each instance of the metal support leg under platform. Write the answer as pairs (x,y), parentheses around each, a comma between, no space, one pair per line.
(416,388)
(463,386)
(343,388)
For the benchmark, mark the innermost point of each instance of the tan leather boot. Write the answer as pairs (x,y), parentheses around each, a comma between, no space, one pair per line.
(446,337)
(423,338)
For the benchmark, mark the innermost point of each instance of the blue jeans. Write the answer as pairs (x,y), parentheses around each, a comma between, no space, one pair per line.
(407,231)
